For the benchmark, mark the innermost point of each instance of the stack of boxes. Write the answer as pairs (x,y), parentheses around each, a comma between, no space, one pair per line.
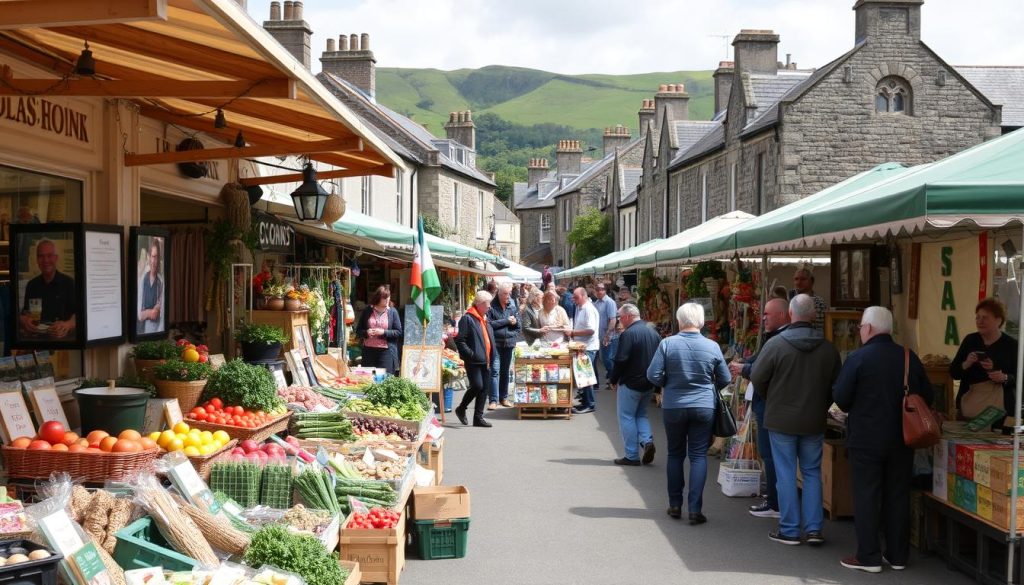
(974,472)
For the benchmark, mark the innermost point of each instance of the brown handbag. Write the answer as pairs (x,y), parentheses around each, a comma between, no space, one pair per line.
(921,429)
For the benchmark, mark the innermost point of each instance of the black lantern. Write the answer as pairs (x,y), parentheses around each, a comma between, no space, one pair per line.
(85,65)
(310,197)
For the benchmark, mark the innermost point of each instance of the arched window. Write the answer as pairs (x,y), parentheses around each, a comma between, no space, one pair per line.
(892,96)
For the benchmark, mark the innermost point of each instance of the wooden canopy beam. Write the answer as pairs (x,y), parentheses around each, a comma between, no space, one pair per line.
(157,158)
(273,113)
(140,88)
(381,170)
(50,13)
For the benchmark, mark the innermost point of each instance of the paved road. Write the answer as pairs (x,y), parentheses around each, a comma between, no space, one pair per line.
(549,507)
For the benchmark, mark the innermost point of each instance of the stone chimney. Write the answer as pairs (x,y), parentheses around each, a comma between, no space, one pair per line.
(461,129)
(671,98)
(290,30)
(756,51)
(243,4)
(888,18)
(723,85)
(569,157)
(536,170)
(615,137)
(646,115)
(352,61)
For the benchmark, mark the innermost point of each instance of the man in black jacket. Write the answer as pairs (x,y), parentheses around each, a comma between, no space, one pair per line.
(475,341)
(637,345)
(870,389)
(502,317)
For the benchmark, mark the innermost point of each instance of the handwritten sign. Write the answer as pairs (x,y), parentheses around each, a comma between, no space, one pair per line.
(14,416)
(172,412)
(217,360)
(47,405)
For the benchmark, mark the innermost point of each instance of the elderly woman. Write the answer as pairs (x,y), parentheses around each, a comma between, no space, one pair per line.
(690,369)
(986,363)
(530,316)
(554,323)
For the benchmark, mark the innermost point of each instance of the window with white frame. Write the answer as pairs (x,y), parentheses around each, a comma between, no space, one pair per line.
(704,197)
(458,207)
(732,187)
(545,228)
(366,196)
(480,214)
(566,213)
(399,204)
(679,207)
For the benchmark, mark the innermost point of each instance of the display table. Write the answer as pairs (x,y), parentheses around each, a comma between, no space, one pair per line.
(544,387)
(970,543)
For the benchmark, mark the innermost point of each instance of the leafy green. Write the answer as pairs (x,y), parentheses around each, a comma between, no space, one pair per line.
(300,554)
(397,392)
(164,349)
(261,333)
(591,237)
(182,371)
(240,384)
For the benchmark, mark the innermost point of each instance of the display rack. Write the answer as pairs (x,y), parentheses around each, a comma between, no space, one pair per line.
(534,382)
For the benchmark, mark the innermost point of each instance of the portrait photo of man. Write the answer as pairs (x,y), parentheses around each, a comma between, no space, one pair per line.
(49,302)
(150,304)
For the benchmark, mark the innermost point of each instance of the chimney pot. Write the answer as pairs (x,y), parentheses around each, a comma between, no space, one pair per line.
(343,43)
(275,10)
(788,59)
(353,42)
(364,42)
(663,87)
(297,11)
(289,10)
(331,46)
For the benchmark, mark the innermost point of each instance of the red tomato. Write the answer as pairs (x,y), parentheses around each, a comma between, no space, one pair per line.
(52,432)
(217,402)
(260,414)
(211,408)
(202,416)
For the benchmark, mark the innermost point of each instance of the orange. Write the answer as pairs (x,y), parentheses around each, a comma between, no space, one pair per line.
(96,436)
(69,438)
(147,443)
(107,444)
(21,442)
(126,446)
(130,434)
(60,447)
(190,355)
(76,448)
(83,442)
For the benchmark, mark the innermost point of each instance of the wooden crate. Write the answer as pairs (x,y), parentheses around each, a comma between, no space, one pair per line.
(354,574)
(431,456)
(836,491)
(380,553)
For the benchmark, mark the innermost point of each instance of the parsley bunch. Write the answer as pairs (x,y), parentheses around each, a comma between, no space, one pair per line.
(300,554)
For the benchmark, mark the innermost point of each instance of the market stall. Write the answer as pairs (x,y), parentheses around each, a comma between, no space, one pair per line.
(545,381)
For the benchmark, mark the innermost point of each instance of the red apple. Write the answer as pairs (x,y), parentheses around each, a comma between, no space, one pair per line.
(249,446)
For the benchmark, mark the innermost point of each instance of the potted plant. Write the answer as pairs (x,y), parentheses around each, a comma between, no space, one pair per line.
(297,298)
(183,380)
(148,354)
(260,341)
(274,292)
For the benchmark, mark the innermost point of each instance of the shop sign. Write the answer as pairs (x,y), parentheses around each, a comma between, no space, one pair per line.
(950,274)
(274,235)
(47,116)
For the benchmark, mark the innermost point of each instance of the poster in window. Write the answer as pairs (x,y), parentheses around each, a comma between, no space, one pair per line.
(104,284)
(46,286)
(149,268)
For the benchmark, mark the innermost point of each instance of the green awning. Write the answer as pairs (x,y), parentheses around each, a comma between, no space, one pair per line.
(607,262)
(677,248)
(389,234)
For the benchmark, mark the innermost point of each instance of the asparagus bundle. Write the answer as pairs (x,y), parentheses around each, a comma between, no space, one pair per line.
(321,425)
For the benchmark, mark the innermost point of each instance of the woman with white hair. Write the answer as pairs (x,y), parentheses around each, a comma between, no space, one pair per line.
(691,369)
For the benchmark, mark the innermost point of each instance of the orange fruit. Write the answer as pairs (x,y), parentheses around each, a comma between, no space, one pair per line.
(190,355)
(107,444)
(76,448)
(147,443)
(93,450)
(126,446)
(69,438)
(82,442)
(130,434)
(21,442)
(60,447)
(97,436)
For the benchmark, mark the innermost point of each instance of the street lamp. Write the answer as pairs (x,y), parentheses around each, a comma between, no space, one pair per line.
(310,197)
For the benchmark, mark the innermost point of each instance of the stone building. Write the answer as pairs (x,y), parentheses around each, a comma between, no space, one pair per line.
(785,133)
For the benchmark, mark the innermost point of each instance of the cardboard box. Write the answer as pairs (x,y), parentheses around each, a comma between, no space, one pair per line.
(966,454)
(380,553)
(940,484)
(440,502)
(965,494)
(1001,511)
(984,502)
(1001,474)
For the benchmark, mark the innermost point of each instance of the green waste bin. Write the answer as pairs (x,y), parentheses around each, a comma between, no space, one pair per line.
(112,409)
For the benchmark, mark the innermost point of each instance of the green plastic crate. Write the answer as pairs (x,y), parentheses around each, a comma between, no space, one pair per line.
(442,539)
(140,545)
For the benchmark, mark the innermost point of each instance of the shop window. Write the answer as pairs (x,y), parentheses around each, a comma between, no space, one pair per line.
(399,204)
(458,208)
(892,96)
(366,196)
(545,228)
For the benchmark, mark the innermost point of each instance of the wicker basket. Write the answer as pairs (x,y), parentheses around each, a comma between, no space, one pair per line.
(242,434)
(187,393)
(144,369)
(203,463)
(85,467)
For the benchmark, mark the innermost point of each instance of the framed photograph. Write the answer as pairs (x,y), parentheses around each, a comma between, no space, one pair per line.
(842,329)
(299,375)
(102,263)
(422,365)
(148,287)
(853,276)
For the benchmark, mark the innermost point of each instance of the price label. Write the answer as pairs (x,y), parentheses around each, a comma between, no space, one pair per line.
(368,458)
(172,413)
(61,533)
(217,360)
(48,406)
(14,415)
(195,489)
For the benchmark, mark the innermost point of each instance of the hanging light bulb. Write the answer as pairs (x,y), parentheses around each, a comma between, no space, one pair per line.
(239,140)
(85,65)
(220,121)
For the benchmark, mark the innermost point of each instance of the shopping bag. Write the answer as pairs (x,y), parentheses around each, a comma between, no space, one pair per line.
(740,473)
(583,370)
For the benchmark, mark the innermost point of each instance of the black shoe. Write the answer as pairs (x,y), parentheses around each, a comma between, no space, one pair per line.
(582,409)
(480,422)
(460,412)
(763,510)
(697,518)
(814,538)
(648,455)
(780,537)
(675,512)
(627,461)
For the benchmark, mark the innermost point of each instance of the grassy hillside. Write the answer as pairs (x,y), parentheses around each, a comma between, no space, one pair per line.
(529,97)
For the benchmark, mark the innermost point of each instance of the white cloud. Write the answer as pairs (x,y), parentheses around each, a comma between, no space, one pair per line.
(614,36)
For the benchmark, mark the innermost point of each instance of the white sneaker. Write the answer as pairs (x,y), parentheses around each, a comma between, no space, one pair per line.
(892,566)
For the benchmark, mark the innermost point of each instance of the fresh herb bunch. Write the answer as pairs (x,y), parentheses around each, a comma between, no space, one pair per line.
(300,554)
(397,392)
(164,349)
(695,286)
(240,384)
(261,333)
(122,382)
(181,371)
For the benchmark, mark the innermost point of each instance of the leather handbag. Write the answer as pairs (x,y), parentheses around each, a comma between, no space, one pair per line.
(921,429)
(725,422)
(979,396)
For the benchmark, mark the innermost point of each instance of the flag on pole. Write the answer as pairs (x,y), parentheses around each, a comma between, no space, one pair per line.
(424,281)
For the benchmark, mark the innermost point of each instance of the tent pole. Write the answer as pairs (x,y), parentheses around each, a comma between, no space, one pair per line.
(1014,489)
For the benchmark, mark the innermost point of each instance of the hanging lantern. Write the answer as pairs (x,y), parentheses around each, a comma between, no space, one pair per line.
(310,197)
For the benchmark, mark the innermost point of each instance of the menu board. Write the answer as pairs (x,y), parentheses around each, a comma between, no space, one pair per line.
(47,405)
(103,284)
(14,416)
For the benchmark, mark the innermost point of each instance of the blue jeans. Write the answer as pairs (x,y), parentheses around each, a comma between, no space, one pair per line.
(608,357)
(499,373)
(789,450)
(633,422)
(689,433)
(764,447)
(588,400)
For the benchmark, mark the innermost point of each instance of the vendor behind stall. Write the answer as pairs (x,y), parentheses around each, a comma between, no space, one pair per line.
(986,363)
(380,328)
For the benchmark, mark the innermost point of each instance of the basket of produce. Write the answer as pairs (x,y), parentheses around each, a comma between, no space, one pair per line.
(314,488)
(396,472)
(183,376)
(241,400)
(236,421)
(306,399)
(97,458)
(303,555)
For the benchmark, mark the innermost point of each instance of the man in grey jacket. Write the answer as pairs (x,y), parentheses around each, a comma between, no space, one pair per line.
(794,373)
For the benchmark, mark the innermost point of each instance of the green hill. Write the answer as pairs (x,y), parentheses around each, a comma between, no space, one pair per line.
(530,97)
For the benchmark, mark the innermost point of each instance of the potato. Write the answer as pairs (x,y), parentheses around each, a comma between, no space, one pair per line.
(39,554)
(19,558)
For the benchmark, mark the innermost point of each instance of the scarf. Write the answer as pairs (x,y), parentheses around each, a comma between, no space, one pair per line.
(483,328)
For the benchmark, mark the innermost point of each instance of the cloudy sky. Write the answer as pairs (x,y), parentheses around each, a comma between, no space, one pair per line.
(612,36)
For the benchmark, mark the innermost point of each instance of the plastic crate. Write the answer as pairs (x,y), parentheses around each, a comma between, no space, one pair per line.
(442,539)
(41,572)
(140,545)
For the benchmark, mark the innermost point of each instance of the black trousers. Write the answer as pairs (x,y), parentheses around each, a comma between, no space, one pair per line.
(881,503)
(479,378)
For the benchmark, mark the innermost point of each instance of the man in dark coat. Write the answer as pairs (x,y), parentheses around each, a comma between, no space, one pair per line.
(476,346)
(503,318)
(870,389)
(628,375)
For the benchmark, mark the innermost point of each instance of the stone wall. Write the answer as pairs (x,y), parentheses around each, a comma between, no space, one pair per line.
(437,199)
(529,228)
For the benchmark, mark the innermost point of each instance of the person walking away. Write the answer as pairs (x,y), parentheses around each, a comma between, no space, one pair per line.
(553,320)
(628,375)
(585,329)
(475,343)
(986,363)
(776,317)
(607,311)
(530,317)
(803,284)
(566,300)
(546,277)
(691,370)
(794,373)
(502,317)
(870,389)
(380,328)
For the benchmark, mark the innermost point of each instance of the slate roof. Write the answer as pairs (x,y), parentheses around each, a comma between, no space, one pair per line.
(630,178)
(630,199)
(712,141)
(502,213)
(769,90)
(1003,86)
(595,168)
(688,132)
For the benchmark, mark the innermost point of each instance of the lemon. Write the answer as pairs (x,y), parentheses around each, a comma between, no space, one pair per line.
(165,438)
(216,444)
(192,441)
(181,428)
(206,449)
(190,355)
(175,445)
(222,437)
(192,451)
(181,436)
(207,437)
(154,436)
